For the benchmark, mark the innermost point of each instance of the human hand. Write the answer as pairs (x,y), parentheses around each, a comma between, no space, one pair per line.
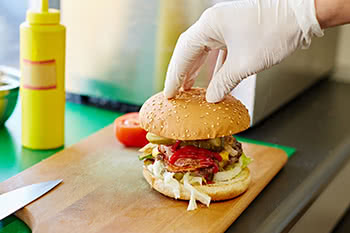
(251,35)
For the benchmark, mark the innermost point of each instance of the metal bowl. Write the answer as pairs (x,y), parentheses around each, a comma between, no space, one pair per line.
(9,88)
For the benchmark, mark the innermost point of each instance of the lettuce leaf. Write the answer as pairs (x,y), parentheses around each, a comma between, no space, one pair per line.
(244,161)
(143,157)
(148,148)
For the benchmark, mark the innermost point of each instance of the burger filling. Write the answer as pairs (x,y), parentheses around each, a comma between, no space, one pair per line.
(194,162)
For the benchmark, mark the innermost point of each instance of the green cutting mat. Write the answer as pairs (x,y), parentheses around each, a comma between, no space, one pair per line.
(81,121)
(289,150)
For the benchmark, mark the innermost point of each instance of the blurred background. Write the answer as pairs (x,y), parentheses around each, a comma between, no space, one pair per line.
(118,51)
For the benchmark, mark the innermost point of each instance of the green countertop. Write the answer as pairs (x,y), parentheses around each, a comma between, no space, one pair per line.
(14,158)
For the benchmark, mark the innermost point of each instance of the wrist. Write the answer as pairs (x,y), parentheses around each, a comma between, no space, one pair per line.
(332,13)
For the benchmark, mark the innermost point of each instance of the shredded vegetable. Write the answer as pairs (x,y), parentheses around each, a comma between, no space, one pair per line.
(195,194)
(148,147)
(158,169)
(172,183)
(155,151)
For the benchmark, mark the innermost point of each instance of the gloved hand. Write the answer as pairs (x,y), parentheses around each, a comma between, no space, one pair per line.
(253,35)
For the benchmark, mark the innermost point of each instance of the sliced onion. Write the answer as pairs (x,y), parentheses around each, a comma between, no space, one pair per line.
(227,175)
(230,150)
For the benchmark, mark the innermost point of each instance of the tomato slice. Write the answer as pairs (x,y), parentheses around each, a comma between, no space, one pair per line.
(128,131)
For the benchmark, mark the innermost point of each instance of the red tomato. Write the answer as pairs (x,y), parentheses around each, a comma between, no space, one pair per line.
(128,131)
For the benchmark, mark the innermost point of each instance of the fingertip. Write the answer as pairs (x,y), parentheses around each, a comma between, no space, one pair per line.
(216,90)
(212,97)
(188,85)
(169,93)
(171,85)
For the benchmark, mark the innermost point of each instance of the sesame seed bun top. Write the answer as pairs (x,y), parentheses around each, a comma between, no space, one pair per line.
(189,117)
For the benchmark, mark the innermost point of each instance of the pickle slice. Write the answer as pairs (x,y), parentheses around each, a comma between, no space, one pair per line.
(152,138)
(210,144)
(215,144)
(178,176)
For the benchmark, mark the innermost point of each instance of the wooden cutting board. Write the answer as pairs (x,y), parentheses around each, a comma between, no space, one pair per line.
(103,190)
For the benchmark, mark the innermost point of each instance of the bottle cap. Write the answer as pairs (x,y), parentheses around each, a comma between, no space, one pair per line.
(52,16)
(39,13)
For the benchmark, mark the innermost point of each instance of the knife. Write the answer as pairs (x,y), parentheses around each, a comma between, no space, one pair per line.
(14,200)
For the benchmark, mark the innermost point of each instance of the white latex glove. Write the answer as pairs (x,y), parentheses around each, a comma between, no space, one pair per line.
(253,35)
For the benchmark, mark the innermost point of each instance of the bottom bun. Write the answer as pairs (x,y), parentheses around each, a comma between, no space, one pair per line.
(217,191)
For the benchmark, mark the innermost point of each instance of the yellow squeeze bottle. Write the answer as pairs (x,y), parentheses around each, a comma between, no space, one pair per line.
(42,90)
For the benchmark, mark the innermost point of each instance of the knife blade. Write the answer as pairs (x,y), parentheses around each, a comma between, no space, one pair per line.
(14,200)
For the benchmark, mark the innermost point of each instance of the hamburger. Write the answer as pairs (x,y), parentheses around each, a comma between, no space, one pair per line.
(192,154)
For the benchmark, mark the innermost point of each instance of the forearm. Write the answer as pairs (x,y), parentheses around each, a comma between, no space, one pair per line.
(332,13)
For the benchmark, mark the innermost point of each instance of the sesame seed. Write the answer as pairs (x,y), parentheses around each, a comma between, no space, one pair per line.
(208,135)
(175,111)
(207,113)
(205,123)
(219,107)
(226,109)
(218,118)
(186,131)
(186,115)
(212,126)
(217,123)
